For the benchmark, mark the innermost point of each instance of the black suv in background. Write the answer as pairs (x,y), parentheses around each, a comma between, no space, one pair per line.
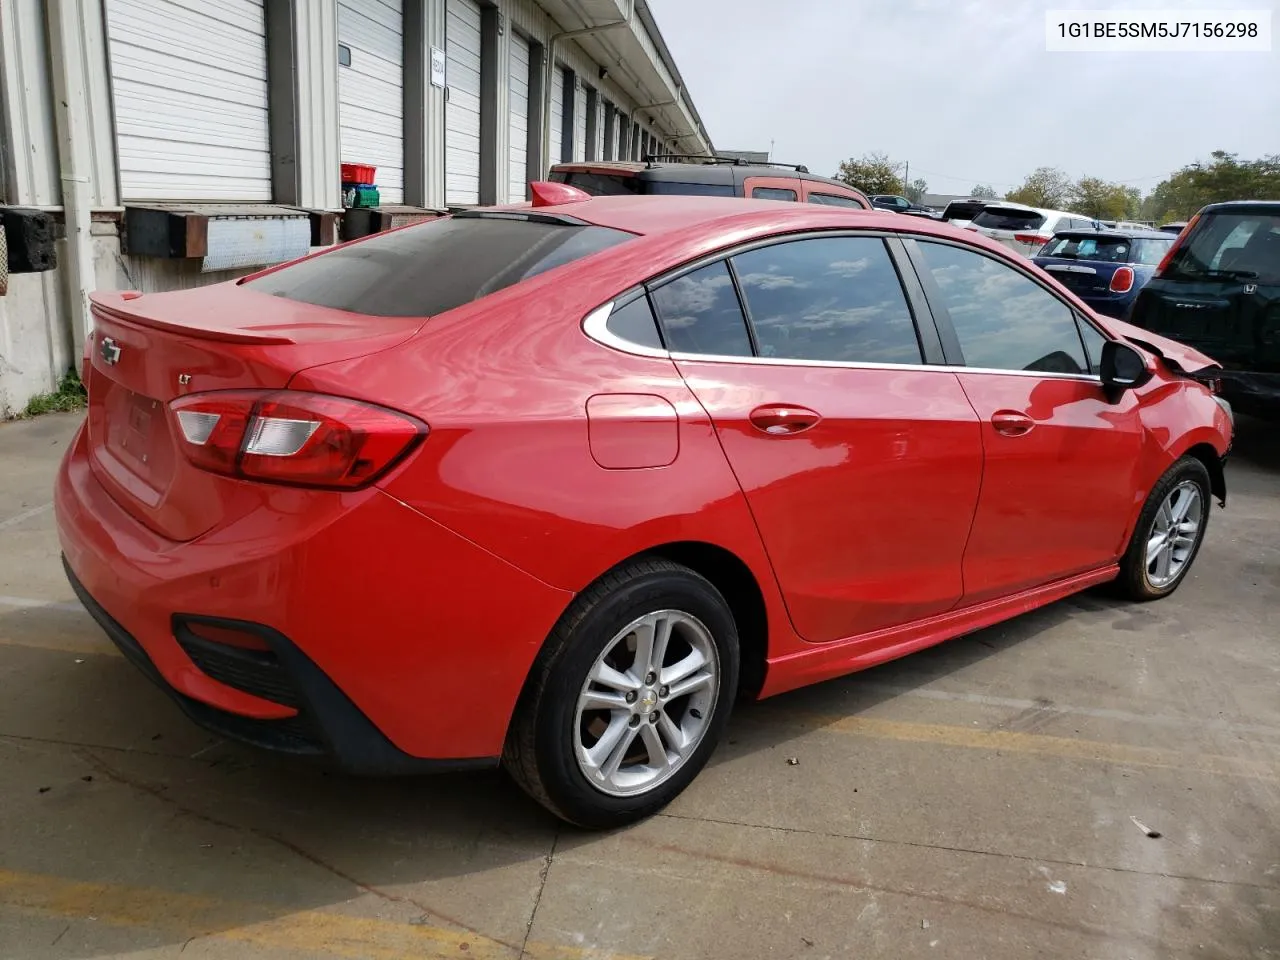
(706,176)
(1218,290)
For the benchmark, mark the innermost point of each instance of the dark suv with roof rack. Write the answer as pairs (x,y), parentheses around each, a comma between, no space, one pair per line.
(707,176)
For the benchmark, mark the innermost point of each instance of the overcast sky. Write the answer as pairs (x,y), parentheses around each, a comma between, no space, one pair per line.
(964,89)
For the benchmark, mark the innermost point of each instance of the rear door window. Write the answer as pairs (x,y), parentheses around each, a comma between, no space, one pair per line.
(830,298)
(700,313)
(831,200)
(432,267)
(1006,218)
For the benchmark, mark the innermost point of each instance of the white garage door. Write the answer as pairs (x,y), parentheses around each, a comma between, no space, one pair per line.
(462,111)
(518,118)
(599,128)
(371,91)
(189,79)
(579,122)
(557,113)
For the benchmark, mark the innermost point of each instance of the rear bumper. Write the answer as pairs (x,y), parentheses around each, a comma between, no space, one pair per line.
(401,647)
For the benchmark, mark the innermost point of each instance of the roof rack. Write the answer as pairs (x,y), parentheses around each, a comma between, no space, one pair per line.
(732,161)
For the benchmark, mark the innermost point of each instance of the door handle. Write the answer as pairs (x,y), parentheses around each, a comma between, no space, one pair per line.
(1011,423)
(783,419)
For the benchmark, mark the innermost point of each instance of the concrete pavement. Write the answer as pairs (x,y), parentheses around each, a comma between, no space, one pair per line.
(983,799)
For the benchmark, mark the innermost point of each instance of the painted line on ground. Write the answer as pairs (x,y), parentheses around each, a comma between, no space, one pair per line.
(85,647)
(1066,748)
(27,603)
(25,515)
(1066,709)
(314,932)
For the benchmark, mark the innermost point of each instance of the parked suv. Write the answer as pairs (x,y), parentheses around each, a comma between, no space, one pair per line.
(1024,229)
(900,204)
(1218,290)
(1104,268)
(707,177)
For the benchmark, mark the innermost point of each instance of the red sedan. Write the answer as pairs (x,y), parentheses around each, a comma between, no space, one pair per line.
(552,485)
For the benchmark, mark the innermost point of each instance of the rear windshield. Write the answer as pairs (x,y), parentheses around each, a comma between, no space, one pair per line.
(962,211)
(1108,249)
(1242,246)
(1003,218)
(424,270)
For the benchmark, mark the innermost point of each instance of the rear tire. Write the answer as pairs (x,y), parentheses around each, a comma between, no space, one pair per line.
(1168,534)
(628,698)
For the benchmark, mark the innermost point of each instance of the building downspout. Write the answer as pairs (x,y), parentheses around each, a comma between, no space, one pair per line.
(66,61)
(549,74)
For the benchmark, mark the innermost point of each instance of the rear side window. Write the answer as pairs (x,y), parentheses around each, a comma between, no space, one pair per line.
(832,200)
(424,270)
(772,193)
(1243,246)
(833,298)
(1005,218)
(673,187)
(700,313)
(635,323)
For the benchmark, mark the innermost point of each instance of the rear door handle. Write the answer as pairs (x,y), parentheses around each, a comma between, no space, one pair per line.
(783,419)
(1011,423)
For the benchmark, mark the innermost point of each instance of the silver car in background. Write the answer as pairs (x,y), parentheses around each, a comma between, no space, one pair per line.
(1024,229)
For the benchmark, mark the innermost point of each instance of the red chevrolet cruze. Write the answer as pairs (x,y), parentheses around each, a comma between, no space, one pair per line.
(552,485)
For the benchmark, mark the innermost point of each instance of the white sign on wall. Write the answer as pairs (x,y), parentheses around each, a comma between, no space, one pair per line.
(437,67)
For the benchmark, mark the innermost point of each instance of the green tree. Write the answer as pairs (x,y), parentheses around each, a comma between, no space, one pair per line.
(982,191)
(915,190)
(1224,177)
(1046,187)
(872,173)
(1095,197)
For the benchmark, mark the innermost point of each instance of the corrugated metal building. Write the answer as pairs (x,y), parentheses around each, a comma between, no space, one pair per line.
(179,142)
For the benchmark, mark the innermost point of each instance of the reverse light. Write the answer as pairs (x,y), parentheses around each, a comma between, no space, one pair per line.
(1122,280)
(292,437)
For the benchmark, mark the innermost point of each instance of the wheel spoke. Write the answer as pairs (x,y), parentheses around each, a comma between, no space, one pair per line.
(604,674)
(599,753)
(610,768)
(1164,517)
(1163,561)
(644,651)
(671,733)
(604,700)
(698,681)
(678,671)
(653,743)
(1154,544)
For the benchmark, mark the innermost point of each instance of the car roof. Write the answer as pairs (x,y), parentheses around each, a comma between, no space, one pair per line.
(649,215)
(1114,233)
(696,172)
(1243,206)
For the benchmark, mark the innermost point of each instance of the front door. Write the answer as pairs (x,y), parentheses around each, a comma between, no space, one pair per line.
(861,467)
(1060,459)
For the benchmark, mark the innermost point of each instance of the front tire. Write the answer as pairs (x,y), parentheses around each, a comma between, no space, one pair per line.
(1168,534)
(629,697)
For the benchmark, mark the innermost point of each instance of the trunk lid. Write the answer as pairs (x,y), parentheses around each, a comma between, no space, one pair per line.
(147,349)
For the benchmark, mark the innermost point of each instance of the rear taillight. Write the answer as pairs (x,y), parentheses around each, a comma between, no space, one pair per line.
(1168,257)
(287,436)
(1122,280)
(1032,238)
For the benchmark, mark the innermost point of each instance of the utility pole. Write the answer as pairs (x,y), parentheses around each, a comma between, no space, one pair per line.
(906,177)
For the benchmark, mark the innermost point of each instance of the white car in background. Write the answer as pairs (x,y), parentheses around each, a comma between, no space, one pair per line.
(959,212)
(1024,229)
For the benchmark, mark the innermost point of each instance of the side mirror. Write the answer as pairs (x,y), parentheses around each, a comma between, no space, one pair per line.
(1122,368)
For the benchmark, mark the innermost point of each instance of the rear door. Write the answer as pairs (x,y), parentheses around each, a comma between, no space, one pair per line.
(1060,459)
(772,188)
(861,466)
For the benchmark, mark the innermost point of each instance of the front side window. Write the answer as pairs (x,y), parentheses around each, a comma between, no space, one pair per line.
(700,313)
(827,298)
(1003,320)
(772,193)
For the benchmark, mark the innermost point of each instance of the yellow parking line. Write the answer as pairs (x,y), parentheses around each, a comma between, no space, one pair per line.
(1007,741)
(312,932)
